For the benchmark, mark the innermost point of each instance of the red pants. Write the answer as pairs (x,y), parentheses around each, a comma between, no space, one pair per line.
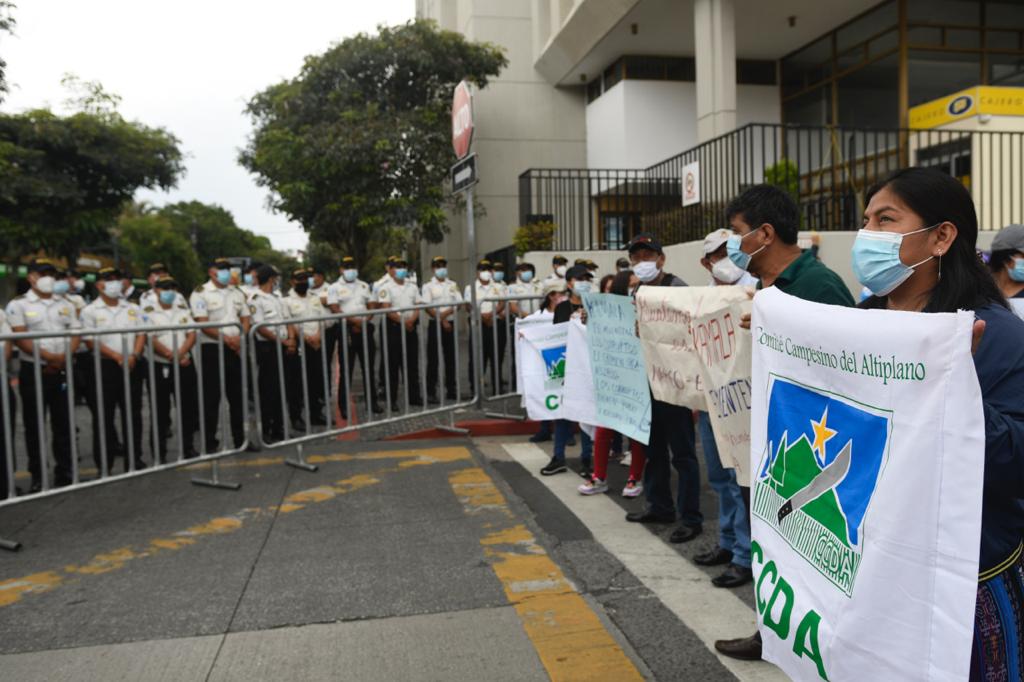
(603,444)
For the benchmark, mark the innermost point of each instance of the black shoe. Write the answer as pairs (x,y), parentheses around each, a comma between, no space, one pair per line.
(647,516)
(318,421)
(540,437)
(715,557)
(432,399)
(734,576)
(377,409)
(586,472)
(685,533)
(140,465)
(555,466)
(745,649)
(571,442)
(394,407)
(298,425)
(35,487)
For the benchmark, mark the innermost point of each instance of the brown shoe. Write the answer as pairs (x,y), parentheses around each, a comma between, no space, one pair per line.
(746,649)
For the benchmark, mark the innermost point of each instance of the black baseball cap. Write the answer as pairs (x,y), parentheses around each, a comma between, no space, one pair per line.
(484,264)
(578,272)
(645,241)
(438,260)
(157,267)
(220,263)
(399,261)
(559,260)
(299,273)
(42,265)
(108,273)
(348,260)
(166,282)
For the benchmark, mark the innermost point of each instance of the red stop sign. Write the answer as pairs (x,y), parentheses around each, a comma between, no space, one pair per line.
(462,120)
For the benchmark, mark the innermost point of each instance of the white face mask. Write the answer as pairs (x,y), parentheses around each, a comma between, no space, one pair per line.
(646,270)
(726,271)
(79,285)
(561,270)
(44,284)
(112,288)
(485,276)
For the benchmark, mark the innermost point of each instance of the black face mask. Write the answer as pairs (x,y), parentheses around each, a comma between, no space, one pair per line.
(301,288)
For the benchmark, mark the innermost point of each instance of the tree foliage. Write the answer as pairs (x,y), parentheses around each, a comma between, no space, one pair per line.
(149,238)
(534,237)
(7,24)
(359,141)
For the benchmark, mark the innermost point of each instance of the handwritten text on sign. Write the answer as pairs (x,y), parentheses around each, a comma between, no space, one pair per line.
(623,398)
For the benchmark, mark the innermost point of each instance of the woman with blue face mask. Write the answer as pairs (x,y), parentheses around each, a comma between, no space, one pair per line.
(1007,261)
(917,253)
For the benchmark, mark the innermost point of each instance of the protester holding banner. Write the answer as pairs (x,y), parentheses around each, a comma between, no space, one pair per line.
(1007,261)
(671,426)
(930,218)
(765,222)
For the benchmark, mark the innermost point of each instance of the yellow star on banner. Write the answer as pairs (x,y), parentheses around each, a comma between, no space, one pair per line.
(822,434)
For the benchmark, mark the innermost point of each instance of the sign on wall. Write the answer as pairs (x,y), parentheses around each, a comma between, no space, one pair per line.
(691,183)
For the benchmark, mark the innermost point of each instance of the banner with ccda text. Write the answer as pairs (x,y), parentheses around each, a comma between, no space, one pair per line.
(867,456)
(543,369)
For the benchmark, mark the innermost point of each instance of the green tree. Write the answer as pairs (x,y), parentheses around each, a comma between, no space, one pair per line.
(359,141)
(7,24)
(148,237)
(65,179)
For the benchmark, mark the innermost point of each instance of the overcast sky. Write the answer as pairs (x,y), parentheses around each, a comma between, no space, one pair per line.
(188,66)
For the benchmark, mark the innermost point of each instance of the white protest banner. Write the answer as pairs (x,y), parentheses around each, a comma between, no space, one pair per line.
(578,394)
(665,315)
(724,351)
(622,392)
(520,324)
(543,369)
(867,458)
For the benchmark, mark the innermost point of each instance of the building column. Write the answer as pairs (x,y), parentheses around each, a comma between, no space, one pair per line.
(715,53)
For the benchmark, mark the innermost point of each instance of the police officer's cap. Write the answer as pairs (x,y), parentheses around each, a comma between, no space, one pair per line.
(265,272)
(42,265)
(498,265)
(166,282)
(559,260)
(108,273)
(300,273)
(399,262)
(438,261)
(578,272)
(220,263)
(348,261)
(524,266)
(484,264)
(391,260)
(645,241)
(157,267)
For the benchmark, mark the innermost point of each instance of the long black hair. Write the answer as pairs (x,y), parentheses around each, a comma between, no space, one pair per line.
(620,283)
(964,283)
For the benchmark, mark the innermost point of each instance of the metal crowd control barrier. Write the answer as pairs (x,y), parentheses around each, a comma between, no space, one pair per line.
(357,339)
(56,397)
(501,356)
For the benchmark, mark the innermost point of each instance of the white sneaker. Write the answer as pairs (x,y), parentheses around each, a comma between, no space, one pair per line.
(633,489)
(594,486)
(627,459)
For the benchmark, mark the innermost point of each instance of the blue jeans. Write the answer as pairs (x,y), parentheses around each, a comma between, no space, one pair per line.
(563,432)
(672,430)
(733,524)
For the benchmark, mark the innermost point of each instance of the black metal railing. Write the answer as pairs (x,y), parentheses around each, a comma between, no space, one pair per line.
(826,169)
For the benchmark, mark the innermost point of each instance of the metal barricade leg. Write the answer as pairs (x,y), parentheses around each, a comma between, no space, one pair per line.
(214,480)
(8,442)
(299,461)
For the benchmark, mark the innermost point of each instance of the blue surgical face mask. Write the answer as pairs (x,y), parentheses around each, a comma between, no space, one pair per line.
(1016,272)
(525,276)
(350,275)
(736,254)
(61,287)
(309,282)
(223,276)
(400,273)
(499,275)
(247,278)
(441,273)
(876,260)
(581,287)
(167,296)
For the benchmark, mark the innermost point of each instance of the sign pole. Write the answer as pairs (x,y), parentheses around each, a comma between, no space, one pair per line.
(476,322)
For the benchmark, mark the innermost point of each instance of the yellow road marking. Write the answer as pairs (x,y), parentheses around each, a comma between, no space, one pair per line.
(14,589)
(569,638)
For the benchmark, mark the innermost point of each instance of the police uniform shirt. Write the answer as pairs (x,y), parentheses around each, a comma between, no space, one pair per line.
(76,301)
(489,290)
(553,277)
(219,304)
(436,291)
(321,293)
(53,314)
(380,282)
(531,288)
(305,306)
(503,289)
(351,297)
(98,315)
(178,315)
(397,295)
(270,309)
(5,328)
(151,299)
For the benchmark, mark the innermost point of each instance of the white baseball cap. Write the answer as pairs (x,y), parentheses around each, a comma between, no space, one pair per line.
(714,241)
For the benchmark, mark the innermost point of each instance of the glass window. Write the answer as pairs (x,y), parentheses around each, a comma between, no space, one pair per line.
(755,72)
(935,74)
(808,66)
(867,26)
(966,12)
(866,96)
(813,108)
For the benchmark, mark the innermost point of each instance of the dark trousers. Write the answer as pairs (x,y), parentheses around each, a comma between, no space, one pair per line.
(434,359)
(55,402)
(314,382)
(270,391)
(130,405)
(501,329)
(5,481)
(411,365)
(163,375)
(355,351)
(331,336)
(313,397)
(211,365)
(672,429)
(488,343)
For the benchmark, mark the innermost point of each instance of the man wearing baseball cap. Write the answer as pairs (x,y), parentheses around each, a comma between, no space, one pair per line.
(1006,261)
(716,261)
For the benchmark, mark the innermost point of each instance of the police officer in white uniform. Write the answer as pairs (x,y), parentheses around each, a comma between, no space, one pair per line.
(250,285)
(272,310)
(119,354)
(398,292)
(501,328)
(301,304)
(38,310)
(352,295)
(174,373)
(526,284)
(485,288)
(318,286)
(6,468)
(440,289)
(218,301)
(150,297)
(559,266)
